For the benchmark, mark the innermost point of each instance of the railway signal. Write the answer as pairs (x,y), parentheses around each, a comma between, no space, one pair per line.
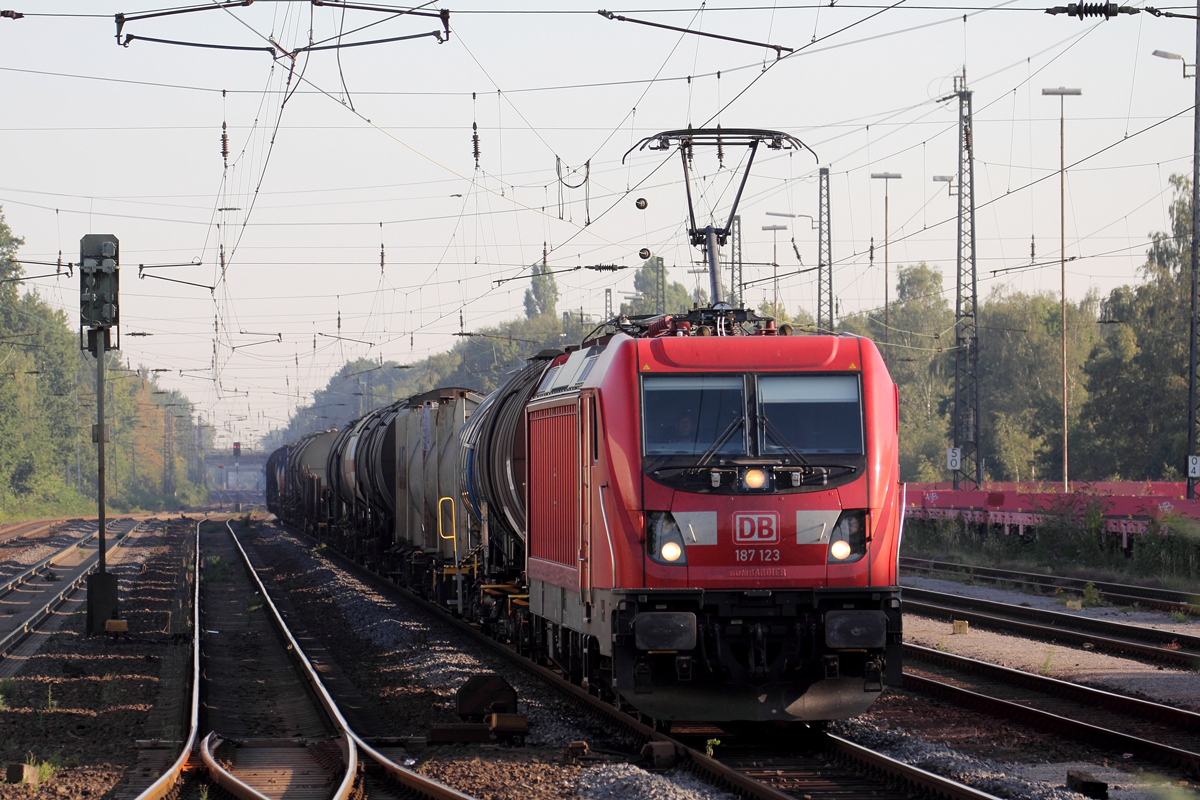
(99,313)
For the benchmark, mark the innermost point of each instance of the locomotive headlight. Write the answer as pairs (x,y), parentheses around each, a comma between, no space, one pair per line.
(848,542)
(664,540)
(755,478)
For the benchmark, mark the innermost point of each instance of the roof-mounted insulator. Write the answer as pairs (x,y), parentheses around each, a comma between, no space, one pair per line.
(1082,10)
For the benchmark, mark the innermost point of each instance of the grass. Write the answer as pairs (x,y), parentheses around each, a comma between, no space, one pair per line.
(1072,542)
(1048,662)
(216,568)
(110,689)
(253,603)
(8,690)
(51,703)
(1180,616)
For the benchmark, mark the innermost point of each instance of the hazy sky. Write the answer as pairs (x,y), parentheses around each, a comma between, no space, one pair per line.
(331,163)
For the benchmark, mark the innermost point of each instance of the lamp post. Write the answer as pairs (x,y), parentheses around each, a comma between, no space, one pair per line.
(775,229)
(1062,93)
(887,178)
(1193,465)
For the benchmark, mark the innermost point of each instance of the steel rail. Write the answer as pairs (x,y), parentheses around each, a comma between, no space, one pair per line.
(1187,721)
(25,576)
(18,530)
(349,741)
(1055,723)
(1115,637)
(227,780)
(40,614)
(167,782)
(713,770)
(1163,599)
(230,782)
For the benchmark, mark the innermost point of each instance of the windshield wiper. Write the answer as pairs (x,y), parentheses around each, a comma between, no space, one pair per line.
(720,440)
(780,438)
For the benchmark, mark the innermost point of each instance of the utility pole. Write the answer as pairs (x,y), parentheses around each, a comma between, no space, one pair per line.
(824,257)
(966,322)
(608,307)
(99,286)
(1062,93)
(887,178)
(237,477)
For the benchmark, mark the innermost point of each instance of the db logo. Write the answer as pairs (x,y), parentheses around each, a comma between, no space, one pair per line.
(755,527)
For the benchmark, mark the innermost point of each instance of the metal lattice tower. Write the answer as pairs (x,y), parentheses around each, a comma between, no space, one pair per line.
(966,338)
(608,308)
(660,291)
(824,257)
(735,261)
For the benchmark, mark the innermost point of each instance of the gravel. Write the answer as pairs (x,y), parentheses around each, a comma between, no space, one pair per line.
(1009,760)
(622,781)
(20,554)
(435,657)
(434,660)
(1038,781)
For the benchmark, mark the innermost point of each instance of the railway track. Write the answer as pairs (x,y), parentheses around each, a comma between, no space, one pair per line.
(1144,643)
(1158,733)
(29,598)
(261,720)
(816,765)
(1116,593)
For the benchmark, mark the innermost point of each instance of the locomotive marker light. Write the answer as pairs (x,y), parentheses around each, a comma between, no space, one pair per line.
(99,312)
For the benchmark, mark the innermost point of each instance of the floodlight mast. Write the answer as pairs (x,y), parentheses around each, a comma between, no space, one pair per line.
(711,237)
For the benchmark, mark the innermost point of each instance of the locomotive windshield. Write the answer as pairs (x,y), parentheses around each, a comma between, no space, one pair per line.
(694,415)
(810,414)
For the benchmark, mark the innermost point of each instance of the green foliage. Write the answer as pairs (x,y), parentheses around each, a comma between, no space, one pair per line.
(1072,538)
(48,405)
(710,746)
(1091,596)
(542,295)
(1048,662)
(8,690)
(216,568)
(921,329)
(481,362)
(645,283)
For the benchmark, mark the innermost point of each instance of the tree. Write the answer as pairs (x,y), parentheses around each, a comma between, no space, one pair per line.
(920,338)
(542,295)
(645,282)
(1134,422)
(1020,380)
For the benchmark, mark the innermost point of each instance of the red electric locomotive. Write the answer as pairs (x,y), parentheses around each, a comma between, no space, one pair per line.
(700,513)
(714,522)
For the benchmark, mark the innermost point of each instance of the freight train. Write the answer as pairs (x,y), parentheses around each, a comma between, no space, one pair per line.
(703,526)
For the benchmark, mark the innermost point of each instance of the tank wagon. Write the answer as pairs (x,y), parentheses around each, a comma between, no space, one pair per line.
(697,514)
(706,526)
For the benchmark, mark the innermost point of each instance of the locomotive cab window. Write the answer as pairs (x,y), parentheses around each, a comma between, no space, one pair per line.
(810,414)
(694,415)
